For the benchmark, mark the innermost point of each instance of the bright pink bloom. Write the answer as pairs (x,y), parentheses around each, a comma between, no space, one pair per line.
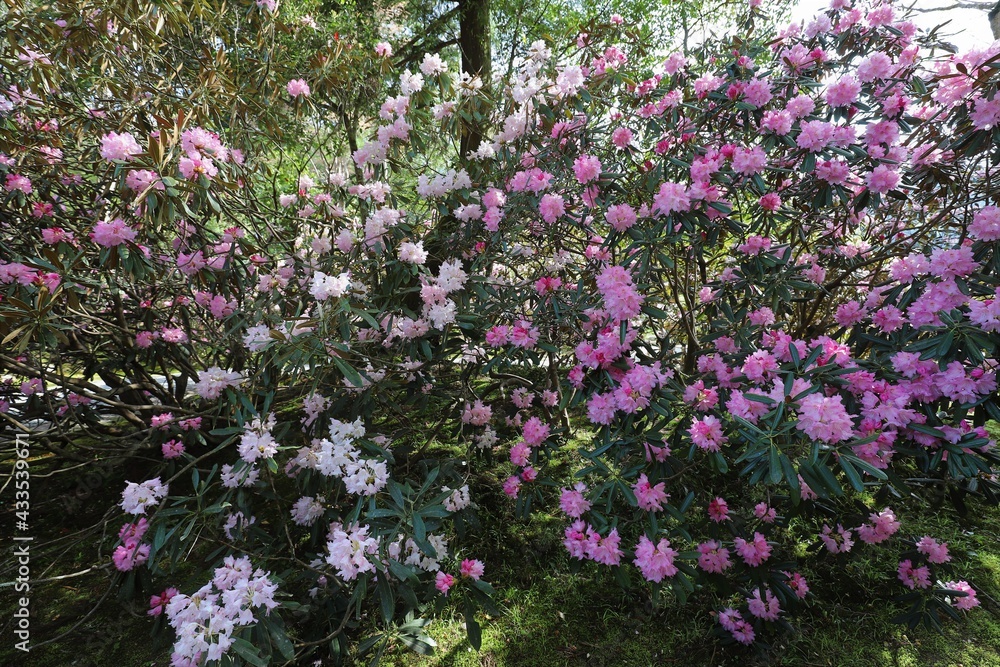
(172,449)
(620,217)
(110,234)
(655,562)
(766,609)
(551,207)
(914,577)
(718,510)
(883,526)
(707,434)
(966,602)
(157,603)
(586,168)
(298,88)
(713,558)
(122,146)
(882,179)
(535,432)
(935,551)
(650,497)
(473,569)
(753,552)
(443,582)
(824,418)
(621,300)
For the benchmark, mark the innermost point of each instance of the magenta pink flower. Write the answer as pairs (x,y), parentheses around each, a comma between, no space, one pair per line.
(671,197)
(882,179)
(122,146)
(718,510)
(524,335)
(157,603)
(656,562)
(472,569)
(883,526)
(573,502)
(172,449)
(755,551)
(621,300)
(935,551)
(191,168)
(551,207)
(767,608)
(986,224)
(836,542)
(110,234)
(755,245)
(770,202)
(298,88)
(535,432)
(519,454)
(765,513)
(914,577)
(650,497)
(620,217)
(966,602)
(707,434)
(443,582)
(824,418)
(586,168)
(621,137)
(712,557)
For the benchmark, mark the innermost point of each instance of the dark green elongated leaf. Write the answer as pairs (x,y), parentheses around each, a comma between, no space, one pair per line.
(852,474)
(367,644)
(472,628)
(828,480)
(421,643)
(249,652)
(864,465)
(775,465)
(386,601)
(281,641)
(350,374)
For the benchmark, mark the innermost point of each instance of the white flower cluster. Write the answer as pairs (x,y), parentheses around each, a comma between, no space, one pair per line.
(257,441)
(232,478)
(458,500)
(137,498)
(442,184)
(433,65)
(348,549)
(324,286)
(307,509)
(408,553)
(213,381)
(380,222)
(338,457)
(257,337)
(206,621)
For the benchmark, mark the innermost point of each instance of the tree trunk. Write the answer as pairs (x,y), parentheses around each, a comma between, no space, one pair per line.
(477,57)
(995,20)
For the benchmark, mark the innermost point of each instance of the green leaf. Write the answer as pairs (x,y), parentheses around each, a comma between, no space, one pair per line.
(281,641)
(472,628)
(249,652)
(852,474)
(776,473)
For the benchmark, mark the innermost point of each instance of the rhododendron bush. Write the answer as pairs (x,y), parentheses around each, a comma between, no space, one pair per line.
(764,277)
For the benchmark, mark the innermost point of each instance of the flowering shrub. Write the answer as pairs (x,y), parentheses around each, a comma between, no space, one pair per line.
(764,275)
